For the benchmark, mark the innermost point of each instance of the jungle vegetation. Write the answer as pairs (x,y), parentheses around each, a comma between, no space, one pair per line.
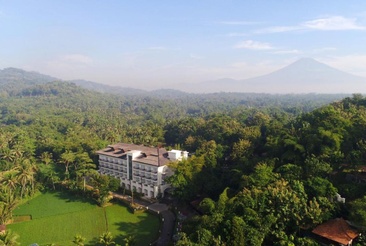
(265,167)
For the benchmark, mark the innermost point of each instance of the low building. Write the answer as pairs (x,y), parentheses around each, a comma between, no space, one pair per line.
(139,168)
(336,232)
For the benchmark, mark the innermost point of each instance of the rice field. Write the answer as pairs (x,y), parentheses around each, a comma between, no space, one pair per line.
(55,218)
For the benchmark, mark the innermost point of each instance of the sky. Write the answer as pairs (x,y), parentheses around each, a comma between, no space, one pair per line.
(156,44)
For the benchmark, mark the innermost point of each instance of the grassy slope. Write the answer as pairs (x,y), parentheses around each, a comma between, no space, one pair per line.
(57,218)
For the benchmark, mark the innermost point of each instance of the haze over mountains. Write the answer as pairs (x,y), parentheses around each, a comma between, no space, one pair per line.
(303,76)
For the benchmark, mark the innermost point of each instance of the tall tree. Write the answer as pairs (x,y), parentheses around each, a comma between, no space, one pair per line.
(67,158)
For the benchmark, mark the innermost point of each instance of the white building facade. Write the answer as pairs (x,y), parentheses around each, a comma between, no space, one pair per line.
(139,168)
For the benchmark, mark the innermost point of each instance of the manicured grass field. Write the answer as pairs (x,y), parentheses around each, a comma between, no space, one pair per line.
(58,217)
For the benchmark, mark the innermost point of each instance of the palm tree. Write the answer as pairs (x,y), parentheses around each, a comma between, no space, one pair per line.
(8,202)
(8,239)
(46,157)
(129,240)
(18,153)
(79,240)
(7,154)
(26,177)
(9,180)
(106,239)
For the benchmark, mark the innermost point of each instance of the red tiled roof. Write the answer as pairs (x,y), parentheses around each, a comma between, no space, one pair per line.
(2,228)
(337,230)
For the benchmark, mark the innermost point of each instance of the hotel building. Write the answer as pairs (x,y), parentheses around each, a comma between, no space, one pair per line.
(140,168)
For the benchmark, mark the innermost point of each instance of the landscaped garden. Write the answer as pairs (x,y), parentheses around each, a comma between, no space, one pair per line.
(58,217)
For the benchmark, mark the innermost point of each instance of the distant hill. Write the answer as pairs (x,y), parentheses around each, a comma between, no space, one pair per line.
(14,79)
(19,83)
(107,88)
(16,75)
(303,76)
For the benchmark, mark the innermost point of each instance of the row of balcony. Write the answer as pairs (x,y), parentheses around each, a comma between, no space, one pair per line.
(115,174)
(112,166)
(142,175)
(124,169)
(124,164)
(146,169)
(139,179)
(145,182)
(114,161)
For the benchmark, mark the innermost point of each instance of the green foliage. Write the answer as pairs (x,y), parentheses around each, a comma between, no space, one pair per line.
(185,177)
(8,202)
(129,240)
(79,240)
(106,239)
(290,172)
(313,167)
(207,206)
(358,211)
(103,185)
(320,187)
(281,157)
(237,237)
(9,238)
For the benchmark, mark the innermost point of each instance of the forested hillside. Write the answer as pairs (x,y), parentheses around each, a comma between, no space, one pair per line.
(264,166)
(265,180)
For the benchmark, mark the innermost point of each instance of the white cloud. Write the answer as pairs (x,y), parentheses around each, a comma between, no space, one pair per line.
(278,29)
(331,23)
(254,45)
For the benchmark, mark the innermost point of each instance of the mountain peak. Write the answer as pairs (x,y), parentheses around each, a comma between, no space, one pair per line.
(305,75)
(308,64)
(307,60)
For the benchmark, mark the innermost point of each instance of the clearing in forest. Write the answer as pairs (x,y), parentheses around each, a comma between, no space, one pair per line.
(58,217)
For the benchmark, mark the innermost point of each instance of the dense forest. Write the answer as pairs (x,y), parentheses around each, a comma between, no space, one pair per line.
(264,167)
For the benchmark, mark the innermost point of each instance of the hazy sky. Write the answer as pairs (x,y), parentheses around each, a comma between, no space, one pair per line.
(152,43)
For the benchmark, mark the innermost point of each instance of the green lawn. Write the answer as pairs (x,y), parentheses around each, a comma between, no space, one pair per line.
(57,218)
